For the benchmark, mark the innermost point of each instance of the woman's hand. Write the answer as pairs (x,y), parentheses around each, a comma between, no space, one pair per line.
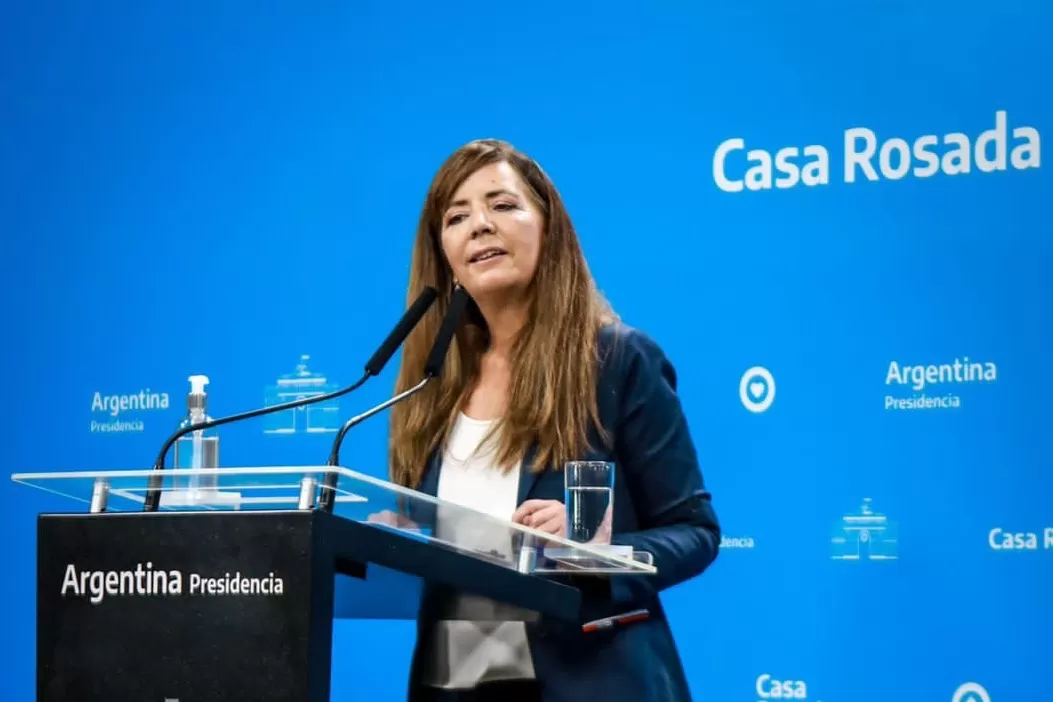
(549,516)
(392,519)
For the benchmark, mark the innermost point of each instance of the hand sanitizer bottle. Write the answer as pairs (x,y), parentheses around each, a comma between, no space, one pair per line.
(199,448)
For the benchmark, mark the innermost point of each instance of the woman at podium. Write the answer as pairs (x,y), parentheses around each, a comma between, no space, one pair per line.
(542,373)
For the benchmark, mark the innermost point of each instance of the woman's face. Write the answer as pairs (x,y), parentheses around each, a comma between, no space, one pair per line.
(491,233)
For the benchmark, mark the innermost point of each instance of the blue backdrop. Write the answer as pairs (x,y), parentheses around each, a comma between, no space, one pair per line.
(834,219)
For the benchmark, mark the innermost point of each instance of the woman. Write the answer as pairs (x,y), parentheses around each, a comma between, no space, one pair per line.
(542,373)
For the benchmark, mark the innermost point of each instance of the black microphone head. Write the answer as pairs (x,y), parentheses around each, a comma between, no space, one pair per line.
(450,321)
(409,320)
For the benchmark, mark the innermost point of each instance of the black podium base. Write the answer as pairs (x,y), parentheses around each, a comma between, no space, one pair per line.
(224,606)
(178,606)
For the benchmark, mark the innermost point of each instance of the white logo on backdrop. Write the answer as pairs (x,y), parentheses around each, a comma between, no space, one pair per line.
(739,167)
(1004,540)
(318,418)
(971,692)
(914,384)
(769,688)
(736,542)
(865,535)
(123,412)
(757,389)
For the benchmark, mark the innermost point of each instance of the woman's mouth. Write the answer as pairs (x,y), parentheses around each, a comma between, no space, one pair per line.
(488,254)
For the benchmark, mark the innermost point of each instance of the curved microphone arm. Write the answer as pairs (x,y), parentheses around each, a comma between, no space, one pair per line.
(327,498)
(432,369)
(153,493)
(376,363)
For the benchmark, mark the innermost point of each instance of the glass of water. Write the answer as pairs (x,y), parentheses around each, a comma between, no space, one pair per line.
(589,500)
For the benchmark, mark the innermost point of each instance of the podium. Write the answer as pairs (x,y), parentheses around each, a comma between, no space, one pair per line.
(231,593)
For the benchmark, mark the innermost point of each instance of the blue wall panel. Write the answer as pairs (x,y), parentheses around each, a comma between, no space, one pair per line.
(227,190)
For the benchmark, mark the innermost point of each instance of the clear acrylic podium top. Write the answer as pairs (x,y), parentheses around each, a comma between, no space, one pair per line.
(358,497)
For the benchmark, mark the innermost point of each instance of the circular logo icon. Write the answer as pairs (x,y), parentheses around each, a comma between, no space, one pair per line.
(971,692)
(757,389)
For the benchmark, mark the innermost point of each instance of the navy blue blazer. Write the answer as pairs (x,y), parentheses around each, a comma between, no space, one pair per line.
(661,505)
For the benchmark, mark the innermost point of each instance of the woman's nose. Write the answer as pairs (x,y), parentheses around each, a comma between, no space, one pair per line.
(481,223)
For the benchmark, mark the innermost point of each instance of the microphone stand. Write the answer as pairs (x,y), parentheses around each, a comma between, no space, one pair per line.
(375,364)
(432,369)
(327,498)
(153,492)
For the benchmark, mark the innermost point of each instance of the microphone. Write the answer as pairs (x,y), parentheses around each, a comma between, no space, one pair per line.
(409,320)
(432,370)
(373,367)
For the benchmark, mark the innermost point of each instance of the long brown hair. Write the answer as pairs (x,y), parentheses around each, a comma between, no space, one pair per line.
(552,391)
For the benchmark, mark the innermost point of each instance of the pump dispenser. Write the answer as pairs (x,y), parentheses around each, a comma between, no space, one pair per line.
(200,448)
(197,398)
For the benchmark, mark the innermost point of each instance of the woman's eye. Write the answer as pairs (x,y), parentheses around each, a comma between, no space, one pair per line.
(504,206)
(454,220)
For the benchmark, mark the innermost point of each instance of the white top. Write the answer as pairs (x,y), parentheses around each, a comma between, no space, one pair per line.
(464,652)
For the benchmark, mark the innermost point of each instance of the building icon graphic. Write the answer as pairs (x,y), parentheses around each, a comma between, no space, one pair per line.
(865,535)
(319,418)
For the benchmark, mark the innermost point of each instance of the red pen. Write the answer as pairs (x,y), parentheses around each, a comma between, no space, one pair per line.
(637,615)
